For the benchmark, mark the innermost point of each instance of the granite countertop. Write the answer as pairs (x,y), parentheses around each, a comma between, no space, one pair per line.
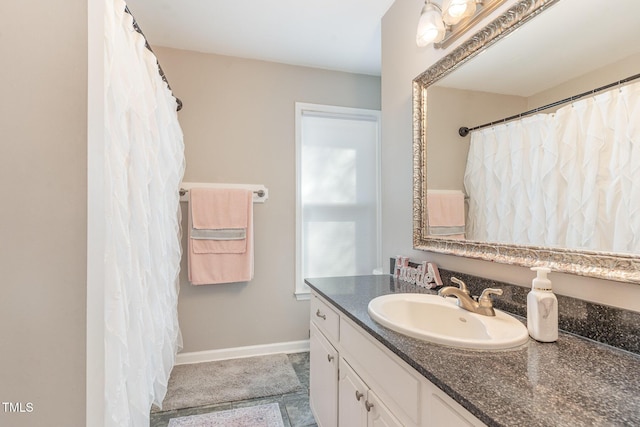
(572,382)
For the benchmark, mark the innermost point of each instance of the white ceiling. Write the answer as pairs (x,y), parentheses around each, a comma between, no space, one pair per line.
(342,35)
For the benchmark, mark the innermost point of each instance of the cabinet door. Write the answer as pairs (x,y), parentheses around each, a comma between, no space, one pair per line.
(323,380)
(352,393)
(443,410)
(378,414)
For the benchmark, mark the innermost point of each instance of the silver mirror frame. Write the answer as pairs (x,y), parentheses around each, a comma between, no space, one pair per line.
(602,265)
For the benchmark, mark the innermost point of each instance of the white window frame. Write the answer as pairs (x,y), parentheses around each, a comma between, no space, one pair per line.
(301,289)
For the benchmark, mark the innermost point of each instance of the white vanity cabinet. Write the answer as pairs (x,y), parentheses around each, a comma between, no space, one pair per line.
(323,376)
(323,384)
(358,405)
(357,382)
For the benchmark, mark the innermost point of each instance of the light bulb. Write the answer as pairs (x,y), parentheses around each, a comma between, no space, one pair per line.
(457,10)
(430,27)
(454,11)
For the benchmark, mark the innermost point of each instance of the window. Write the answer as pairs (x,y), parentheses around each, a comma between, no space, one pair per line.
(338,192)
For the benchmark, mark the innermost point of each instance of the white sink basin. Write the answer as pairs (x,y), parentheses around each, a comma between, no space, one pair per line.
(439,320)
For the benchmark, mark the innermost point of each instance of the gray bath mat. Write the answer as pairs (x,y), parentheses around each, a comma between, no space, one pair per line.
(201,384)
(254,416)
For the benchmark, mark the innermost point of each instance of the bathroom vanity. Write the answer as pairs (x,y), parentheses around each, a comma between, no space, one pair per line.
(363,374)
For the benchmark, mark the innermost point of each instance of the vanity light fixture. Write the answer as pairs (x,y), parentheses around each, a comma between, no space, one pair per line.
(442,25)
(430,26)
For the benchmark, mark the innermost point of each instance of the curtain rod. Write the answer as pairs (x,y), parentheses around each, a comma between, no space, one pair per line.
(146,44)
(464,131)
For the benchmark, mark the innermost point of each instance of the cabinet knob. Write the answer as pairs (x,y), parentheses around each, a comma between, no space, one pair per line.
(320,315)
(330,357)
(358,395)
(368,405)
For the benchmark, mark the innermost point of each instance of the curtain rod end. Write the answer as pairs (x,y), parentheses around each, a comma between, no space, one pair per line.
(463,131)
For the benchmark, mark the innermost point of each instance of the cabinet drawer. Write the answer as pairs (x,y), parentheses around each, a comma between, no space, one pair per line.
(384,375)
(325,318)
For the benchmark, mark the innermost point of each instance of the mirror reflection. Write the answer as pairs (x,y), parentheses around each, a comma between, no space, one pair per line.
(567,176)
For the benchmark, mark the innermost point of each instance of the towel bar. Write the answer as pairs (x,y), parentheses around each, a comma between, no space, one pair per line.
(260,192)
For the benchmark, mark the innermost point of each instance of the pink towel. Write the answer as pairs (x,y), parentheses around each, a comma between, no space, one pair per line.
(220,235)
(446,214)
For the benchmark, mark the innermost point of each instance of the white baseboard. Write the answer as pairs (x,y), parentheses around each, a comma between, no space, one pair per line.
(233,353)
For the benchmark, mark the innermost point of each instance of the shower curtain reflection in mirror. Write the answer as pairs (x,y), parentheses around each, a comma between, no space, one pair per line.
(567,179)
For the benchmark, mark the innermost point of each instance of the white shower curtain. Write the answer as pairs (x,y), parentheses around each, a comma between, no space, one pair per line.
(144,166)
(501,179)
(569,179)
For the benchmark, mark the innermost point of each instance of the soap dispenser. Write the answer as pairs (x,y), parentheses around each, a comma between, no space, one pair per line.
(542,308)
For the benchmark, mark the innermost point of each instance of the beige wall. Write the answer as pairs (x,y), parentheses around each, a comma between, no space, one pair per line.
(43,216)
(600,77)
(449,109)
(401,62)
(238,123)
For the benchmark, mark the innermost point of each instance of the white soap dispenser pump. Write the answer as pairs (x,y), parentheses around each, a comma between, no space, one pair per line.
(542,308)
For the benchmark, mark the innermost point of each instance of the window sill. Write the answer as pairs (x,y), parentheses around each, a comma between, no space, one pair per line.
(302,295)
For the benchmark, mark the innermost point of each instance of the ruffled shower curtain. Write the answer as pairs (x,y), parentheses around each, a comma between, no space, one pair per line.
(569,179)
(144,165)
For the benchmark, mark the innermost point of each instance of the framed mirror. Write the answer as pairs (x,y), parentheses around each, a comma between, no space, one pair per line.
(562,48)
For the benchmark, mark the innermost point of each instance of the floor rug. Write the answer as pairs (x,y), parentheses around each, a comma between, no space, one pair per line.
(253,416)
(208,383)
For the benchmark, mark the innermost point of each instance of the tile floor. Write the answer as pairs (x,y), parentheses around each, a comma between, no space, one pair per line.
(294,406)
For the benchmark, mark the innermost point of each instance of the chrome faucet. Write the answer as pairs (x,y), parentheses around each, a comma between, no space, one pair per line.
(483,305)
